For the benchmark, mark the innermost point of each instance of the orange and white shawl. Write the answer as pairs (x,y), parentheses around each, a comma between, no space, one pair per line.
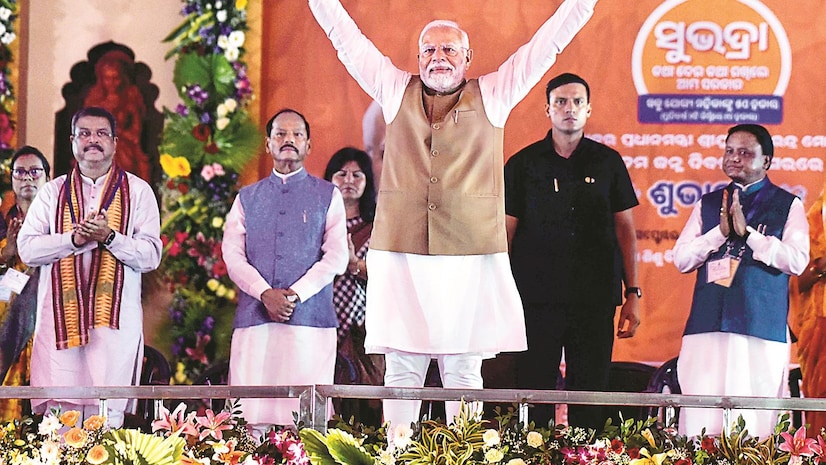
(78,307)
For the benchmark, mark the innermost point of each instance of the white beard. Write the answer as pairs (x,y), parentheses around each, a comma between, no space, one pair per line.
(442,82)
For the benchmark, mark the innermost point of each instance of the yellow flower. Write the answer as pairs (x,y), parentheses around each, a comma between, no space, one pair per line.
(647,459)
(221,123)
(213,284)
(491,437)
(516,462)
(240,4)
(70,418)
(221,291)
(649,437)
(535,439)
(230,294)
(97,455)
(494,455)
(75,437)
(94,422)
(175,166)
(217,222)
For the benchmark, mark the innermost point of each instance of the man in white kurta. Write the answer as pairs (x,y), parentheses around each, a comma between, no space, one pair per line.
(440,279)
(111,354)
(744,241)
(284,243)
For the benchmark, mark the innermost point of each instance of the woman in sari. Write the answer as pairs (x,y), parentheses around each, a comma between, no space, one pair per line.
(350,169)
(29,172)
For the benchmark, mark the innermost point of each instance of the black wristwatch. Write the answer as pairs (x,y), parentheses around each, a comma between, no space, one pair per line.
(109,239)
(633,290)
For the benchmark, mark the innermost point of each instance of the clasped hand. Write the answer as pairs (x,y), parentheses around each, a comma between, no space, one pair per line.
(95,227)
(280,303)
(732,218)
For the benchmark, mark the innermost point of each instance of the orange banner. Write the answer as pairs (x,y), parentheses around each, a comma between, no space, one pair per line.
(667,79)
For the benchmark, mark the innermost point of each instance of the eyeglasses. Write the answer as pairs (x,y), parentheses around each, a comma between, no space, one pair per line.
(428,51)
(22,173)
(101,133)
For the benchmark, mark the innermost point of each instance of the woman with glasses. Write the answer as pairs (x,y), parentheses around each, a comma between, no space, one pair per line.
(351,170)
(29,172)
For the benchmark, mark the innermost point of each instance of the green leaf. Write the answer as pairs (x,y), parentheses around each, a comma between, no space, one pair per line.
(346,449)
(316,447)
(223,77)
(190,69)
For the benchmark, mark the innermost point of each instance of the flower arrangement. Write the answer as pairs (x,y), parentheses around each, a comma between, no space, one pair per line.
(186,438)
(472,441)
(177,438)
(206,141)
(8,21)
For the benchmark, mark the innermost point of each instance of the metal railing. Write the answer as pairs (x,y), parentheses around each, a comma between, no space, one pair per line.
(314,399)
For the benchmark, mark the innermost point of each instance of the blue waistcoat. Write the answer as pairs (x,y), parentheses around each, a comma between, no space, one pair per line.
(757,302)
(285,230)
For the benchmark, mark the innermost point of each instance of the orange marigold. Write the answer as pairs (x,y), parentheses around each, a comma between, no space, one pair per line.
(70,418)
(75,437)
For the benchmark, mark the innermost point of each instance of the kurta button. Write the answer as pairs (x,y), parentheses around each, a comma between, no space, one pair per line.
(279,257)
(280,234)
(434,153)
(436,126)
(431,206)
(434,180)
(282,212)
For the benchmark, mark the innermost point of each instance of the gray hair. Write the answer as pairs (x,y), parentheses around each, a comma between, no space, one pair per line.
(444,23)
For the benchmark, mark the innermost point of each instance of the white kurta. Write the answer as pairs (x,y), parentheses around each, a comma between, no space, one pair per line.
(446,304)
(112,357)
(276,354)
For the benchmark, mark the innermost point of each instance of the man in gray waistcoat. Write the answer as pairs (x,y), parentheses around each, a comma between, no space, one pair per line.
(285,240)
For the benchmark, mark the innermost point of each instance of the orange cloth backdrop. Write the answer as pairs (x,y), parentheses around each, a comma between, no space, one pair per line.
(659,72)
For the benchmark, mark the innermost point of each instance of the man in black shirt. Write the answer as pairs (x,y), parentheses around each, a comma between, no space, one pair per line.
(572,242)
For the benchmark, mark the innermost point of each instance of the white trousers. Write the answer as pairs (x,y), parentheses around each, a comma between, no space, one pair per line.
(405,369)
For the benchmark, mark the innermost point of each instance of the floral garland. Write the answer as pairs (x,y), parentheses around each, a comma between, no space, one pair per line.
(8,20)
(206,141)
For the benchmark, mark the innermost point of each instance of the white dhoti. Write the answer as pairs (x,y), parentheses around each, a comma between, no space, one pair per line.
(275,354)
(732,365)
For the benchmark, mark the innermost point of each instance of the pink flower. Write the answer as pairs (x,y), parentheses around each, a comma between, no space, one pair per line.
(799,445)
(175,421)
(175,249)
(219,269)
(207,172)
(214,424)
(198,353)
(219,170)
